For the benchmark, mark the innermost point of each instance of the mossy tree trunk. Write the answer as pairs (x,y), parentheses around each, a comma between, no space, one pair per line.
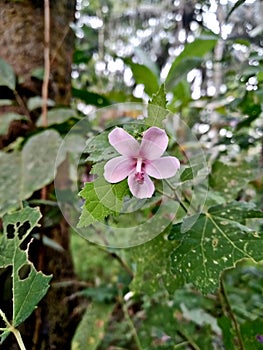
(22,46)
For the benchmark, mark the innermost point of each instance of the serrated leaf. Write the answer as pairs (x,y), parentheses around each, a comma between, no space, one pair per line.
(7,75)
(215,242)
(99,148)
(229,179)
(27,289)
(101,198)
(157,111)
(24,172)
(90,330)
(152,266)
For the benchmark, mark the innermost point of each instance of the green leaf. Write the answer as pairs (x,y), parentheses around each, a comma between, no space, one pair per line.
(101,198)
(235,6)
(38,159)
(143,75)
(216,241)
(57,116)
(22,173)
(38,73)
(99,148)
(187,174)
(230,179)
(28,285)
(7,75)
(37,102)
(191,57)
(91,329)
(249,332)
(146,61)
(152,266)
(157,111)
(6,119)
(91,98)
(227,331)
(10,179)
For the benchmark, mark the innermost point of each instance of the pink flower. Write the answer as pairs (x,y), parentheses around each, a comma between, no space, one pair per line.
(139,161)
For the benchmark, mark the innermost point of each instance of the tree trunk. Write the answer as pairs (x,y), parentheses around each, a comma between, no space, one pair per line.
(22,46)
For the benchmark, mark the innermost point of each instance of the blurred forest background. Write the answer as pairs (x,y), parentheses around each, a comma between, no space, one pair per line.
(60,62)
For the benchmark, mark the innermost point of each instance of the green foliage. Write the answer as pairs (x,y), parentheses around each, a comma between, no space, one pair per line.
(7,75)
(157,108)
(152,268)
(144,75)
(230,179)
(101,198)
(28,285)
(191,57)
(91,329)
(6,119)
(216,241)
(22,173)
(207,248)
(90,97)
(57,116)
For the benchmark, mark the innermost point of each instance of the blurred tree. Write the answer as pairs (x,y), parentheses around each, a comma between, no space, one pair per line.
(22,46)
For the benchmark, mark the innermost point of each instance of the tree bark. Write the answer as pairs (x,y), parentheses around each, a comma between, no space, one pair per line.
(22,46)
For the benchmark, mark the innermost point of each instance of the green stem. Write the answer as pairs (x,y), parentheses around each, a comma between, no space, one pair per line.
(18,338)
(176,196)
(130,322)
(178,346)
(226,306)
(189,340)
(12,329)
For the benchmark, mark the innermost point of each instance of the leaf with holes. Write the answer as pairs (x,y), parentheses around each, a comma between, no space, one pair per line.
(216,241)
(28,285)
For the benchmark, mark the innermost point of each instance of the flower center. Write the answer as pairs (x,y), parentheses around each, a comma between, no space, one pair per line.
(139,175)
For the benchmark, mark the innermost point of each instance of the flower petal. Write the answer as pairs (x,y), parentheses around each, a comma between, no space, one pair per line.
(118,168)
(154,143)
(162,168)
(124,143)
(144,190)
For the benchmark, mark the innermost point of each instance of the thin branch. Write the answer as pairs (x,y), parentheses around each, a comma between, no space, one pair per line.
(38,320)
(46,61)
(22,104)
(12,329)
(122,263)
(226,306)
(130,322)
